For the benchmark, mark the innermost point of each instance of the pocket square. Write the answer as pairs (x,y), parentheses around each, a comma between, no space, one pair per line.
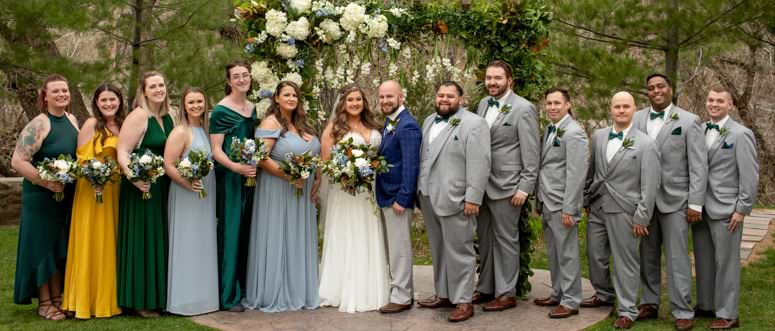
(676,131)
(556,142)
(507,124)
(727,146)
(456,138)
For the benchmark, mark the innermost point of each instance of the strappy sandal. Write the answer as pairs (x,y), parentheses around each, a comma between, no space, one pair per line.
(55,315)
(57,302)
(148,314)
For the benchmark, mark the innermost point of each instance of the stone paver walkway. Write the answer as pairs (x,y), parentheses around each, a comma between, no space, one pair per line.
(526,316)
(754,229)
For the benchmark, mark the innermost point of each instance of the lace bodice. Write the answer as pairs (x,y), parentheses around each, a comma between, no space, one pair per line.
(375,139)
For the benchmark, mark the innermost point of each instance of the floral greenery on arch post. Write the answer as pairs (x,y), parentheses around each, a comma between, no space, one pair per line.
(324,45)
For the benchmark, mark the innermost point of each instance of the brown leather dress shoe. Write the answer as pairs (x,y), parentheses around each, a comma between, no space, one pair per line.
(562,312)
(724,324)
(703,313)
(461,313)
(595,302)
(394,308)
(623,323)
(479,297)
(546,302)
(647,312)
(684,324)
(436,302)
(500,304)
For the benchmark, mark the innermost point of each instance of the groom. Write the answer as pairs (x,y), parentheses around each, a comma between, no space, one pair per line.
(454,167)
(395,190)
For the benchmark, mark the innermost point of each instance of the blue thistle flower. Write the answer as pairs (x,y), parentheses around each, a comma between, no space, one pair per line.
(291,41)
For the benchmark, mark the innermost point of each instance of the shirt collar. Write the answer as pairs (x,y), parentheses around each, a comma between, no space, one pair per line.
(561,120)
(722,121)
(502,100)
(667,110)
(626,131)
(395,114)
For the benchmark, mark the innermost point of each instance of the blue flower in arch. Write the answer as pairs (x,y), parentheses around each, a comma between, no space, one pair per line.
(291,41)
(249,48)
(299,63)
(264,94)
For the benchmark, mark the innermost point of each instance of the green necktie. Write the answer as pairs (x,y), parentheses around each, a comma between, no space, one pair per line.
(612,135)
(659,114)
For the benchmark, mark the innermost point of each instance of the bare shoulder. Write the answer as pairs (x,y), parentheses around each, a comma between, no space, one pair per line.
(270,123)
(179,132)
(89,124)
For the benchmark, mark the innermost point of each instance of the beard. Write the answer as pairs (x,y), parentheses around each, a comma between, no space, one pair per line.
(501,90)
(391,111)
(451,110)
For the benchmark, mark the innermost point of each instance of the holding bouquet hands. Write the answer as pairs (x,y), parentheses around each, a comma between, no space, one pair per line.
(62,170)
(99,173)
(298,168)
(194,167)
(354,166)
(146,168)
(248,151)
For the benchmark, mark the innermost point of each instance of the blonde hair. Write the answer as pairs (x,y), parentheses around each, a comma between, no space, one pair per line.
(183,115)
(141,100)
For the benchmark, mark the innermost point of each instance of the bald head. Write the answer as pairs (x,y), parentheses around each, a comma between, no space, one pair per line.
(622,110)
(391,97)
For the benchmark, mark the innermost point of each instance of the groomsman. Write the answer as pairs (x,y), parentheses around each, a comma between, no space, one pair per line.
(516,153)
(684,175)
(733,179)
(454,165)
(621,188)
(564,156)
(396,191)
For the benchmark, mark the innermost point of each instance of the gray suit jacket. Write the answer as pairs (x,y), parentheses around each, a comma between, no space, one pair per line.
(683,159)
(564,163)
(629,183)
(733,173)
(454,168)
(515,148)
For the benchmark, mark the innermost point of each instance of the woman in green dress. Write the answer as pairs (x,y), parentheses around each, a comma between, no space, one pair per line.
(43,230)
(142,223)
(233,117)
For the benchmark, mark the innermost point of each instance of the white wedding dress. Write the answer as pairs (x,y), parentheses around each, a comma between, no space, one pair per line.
(354,272)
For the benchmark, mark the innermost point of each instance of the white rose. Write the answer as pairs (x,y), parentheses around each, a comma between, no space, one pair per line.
(361,162)
(185,164)
(286,51)
(62,166)
(301,6)
(96,165)
(298,29)
(357,153)
(145,159)
(293,77)
(352,16)
(304,174)
(275,22)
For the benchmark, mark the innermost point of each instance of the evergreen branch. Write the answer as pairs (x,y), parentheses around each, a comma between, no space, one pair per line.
(183,25)
(108,32)
(609,38)
(711,22)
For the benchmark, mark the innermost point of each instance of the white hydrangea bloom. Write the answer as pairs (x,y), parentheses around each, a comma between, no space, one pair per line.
(262,106)
(293,77)
(397,12)
(378,26)
(261,72)
(275,22)
(330,31)
(301,6)
(298,29)
(286,51)
(350,37)
(352,16)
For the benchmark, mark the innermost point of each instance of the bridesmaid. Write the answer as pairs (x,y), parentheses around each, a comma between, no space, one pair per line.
(90,277)
(43,230)
(142,230)
(282,260)
(192,284)
(233,117)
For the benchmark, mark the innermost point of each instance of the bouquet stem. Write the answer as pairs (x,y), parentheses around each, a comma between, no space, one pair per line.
(59,196)
(202,194)
(146,195)
(99,197)
(250,182)
(299,192)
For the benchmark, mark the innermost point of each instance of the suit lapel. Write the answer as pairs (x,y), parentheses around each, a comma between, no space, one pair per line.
(621,152)
(497,123)
(717,144)
(667,128)
(603,149)
(547,143)
(642,122)
(439,142)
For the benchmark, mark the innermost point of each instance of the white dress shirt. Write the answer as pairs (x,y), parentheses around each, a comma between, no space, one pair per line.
(615,144)
(436,129)
(712,135)
(654,126)
(492,112)
(556,125)
(392,117)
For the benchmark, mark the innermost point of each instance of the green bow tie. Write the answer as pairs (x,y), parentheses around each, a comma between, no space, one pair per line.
(440,119)
(493,102)
(659,114)
(710,125)
(551,129)
(612,135)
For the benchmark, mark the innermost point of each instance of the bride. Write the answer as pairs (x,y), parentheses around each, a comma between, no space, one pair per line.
(354,272)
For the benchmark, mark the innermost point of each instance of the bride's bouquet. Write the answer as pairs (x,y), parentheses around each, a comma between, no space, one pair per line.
(195,166)
(298,167)
(63,170)
(248,151)
(354,166)
(99,173)
(147,167)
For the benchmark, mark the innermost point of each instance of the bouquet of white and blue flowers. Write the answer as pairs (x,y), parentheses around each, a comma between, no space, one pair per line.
(195,166)
(99,173)
(354,166)
(147,167)
(63,170)
(298,167)
(248,151)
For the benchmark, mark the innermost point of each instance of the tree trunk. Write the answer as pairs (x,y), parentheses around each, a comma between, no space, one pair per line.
(672,50)
(134,70)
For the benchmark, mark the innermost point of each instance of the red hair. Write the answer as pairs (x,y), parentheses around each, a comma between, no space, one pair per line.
(41,103)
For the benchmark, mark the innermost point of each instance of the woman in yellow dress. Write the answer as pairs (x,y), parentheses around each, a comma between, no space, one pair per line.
(90,275)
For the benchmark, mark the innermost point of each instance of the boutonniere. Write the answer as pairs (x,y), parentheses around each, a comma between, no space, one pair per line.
(673,117)
(454,121)
(392,124)
(560,132)
(723,132)
(627,144)
(505,109)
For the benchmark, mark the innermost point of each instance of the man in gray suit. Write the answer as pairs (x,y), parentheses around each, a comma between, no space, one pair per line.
(684,174)
(733,179)
(513,129)
(454,163)
(564,166)
(621,188)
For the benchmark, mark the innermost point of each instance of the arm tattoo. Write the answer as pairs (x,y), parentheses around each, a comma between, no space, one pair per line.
(25,145)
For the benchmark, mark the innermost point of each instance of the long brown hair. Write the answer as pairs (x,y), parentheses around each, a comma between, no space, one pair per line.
(183,115)
(141,100)
(102,124)
(232,65)
(341,123)
(299,117)
(41,102)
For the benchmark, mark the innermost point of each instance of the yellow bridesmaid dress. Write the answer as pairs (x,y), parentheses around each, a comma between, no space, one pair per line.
(90,275)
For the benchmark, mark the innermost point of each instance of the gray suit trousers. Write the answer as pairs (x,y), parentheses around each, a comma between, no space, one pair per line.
(562,250)
(451,239)
(624,247)
(598,256)
(498,233)
(672,230)
(399,246)
(717,265)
